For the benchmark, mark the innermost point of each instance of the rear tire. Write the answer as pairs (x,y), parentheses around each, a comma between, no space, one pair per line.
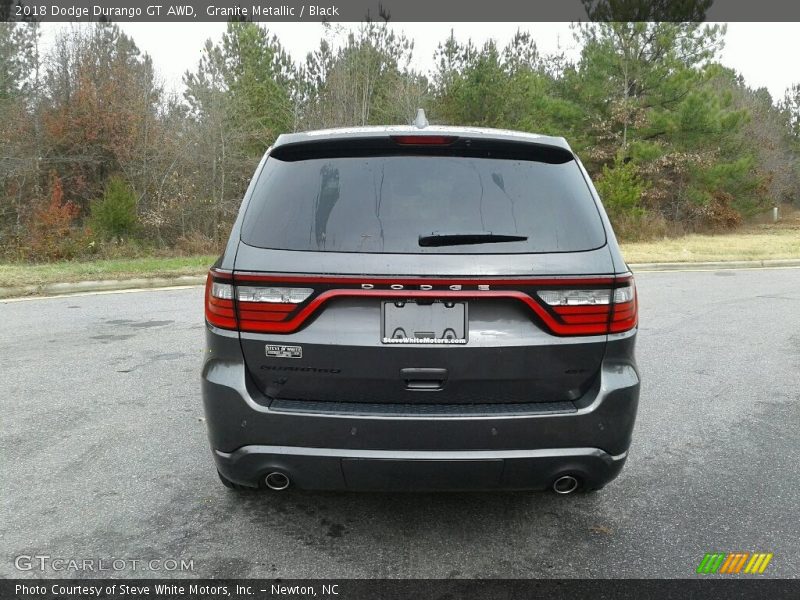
(234,486)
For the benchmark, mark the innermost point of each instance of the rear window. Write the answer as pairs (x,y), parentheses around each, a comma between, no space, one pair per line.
(384,203)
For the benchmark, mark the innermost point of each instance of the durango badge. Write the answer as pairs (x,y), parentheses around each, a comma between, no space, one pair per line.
(276,351)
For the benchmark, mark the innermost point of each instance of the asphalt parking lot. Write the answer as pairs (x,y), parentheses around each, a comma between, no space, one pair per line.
(104,454)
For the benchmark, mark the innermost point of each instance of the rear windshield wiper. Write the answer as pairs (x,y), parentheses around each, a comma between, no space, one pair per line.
(459,239)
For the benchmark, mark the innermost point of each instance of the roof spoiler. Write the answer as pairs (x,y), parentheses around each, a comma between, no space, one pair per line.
(393,145)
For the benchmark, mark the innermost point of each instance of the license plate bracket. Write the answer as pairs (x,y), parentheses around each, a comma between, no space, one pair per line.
(438,322)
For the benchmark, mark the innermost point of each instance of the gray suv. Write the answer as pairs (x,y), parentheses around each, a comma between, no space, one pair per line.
(420,308)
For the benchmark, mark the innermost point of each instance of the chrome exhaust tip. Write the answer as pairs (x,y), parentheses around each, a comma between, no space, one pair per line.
(566,484)
(277,481)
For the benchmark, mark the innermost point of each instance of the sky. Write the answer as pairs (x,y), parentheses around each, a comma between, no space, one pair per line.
(761,52)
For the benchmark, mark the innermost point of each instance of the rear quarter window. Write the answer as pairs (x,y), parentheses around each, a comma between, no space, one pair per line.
(384,203)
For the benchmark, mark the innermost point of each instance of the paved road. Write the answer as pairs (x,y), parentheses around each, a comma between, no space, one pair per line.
(104,453)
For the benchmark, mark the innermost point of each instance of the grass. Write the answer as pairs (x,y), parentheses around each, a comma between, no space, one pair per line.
(18,274)
(763,243)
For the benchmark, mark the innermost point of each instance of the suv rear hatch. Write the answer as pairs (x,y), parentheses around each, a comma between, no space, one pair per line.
(422,269)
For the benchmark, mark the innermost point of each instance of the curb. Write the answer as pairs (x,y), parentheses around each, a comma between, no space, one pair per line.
(106,285)
(109,285)
(713,266)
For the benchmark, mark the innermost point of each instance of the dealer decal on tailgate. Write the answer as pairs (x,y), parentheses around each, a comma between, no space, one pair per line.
(277,351)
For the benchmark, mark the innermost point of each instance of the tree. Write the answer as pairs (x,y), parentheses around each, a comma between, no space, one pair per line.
(18,58)
(365,80)
(20,177)
(114,214)
(241,97)
(791,109)
(509,88)
(101,103)
(629,68)
(650,93)
(259,76)
(50,227)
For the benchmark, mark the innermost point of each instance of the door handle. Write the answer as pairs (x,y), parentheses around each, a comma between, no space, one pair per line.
(424,379)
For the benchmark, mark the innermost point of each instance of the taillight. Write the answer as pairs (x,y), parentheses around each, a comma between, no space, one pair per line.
(592,311)
(625,310)
(220,311)
(249,307)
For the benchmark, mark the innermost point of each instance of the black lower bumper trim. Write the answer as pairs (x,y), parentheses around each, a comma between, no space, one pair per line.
(414,470)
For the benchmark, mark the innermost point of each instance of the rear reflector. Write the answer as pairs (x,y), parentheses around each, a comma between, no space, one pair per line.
(424,140)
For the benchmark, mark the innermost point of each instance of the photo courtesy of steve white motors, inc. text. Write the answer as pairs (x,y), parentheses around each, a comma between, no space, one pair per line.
(170,590)
(253,11)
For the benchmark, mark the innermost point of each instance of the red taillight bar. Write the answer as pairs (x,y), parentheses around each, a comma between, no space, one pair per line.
(564,320)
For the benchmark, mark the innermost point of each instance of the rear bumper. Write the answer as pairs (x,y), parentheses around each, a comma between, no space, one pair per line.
(393,470)
(414,449)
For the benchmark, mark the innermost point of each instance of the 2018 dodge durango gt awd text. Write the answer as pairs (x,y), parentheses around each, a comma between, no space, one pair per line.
(420,308)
